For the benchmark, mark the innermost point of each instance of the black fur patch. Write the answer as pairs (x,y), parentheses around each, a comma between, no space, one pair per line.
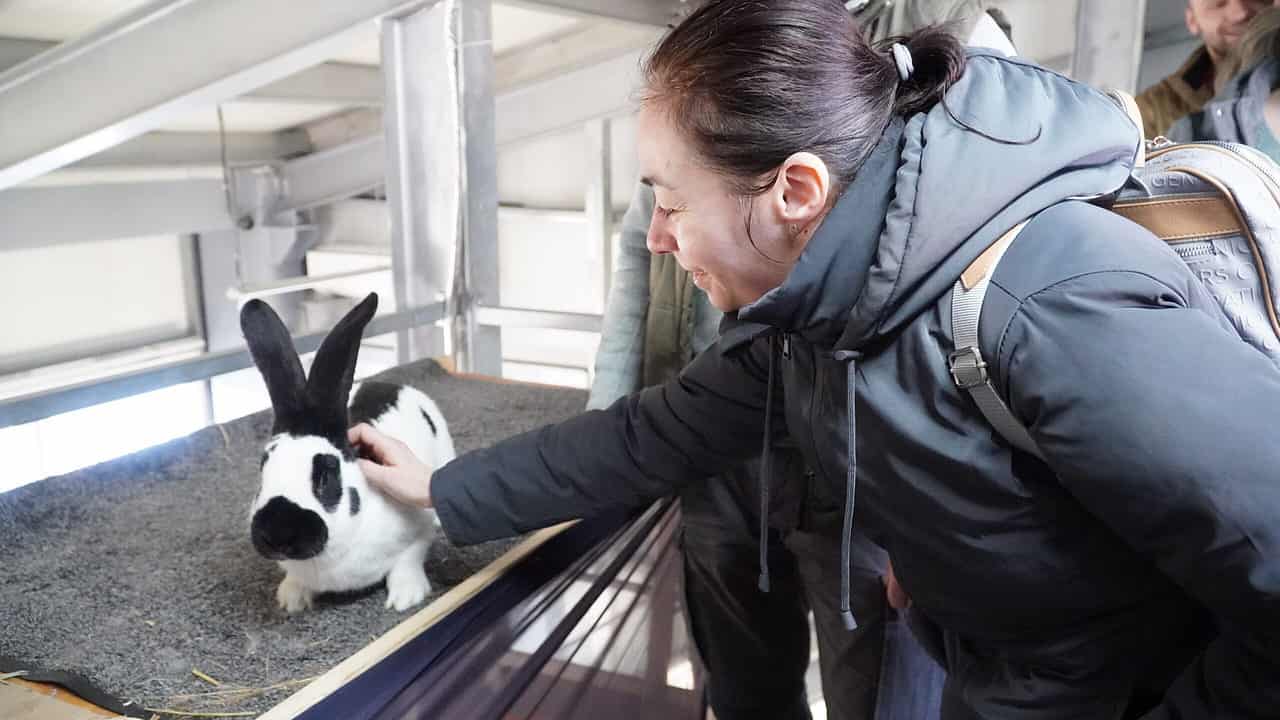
(283,531)
(326,480)
(372,401)
(430,424)
(354,496)
(312,425)
(263,463)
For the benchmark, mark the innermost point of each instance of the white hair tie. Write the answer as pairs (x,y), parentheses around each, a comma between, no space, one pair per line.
(902,56)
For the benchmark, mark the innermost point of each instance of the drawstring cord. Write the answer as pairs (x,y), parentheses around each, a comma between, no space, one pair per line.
(851,358)
(766,469)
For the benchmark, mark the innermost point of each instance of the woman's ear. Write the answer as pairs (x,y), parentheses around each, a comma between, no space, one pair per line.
(800,195)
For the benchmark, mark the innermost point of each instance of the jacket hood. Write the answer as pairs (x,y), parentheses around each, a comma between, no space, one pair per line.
(934,194)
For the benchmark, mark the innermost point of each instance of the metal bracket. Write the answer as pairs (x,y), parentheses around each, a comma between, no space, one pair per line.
(967,375)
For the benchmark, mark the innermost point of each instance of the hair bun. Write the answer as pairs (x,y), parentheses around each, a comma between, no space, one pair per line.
(935,60)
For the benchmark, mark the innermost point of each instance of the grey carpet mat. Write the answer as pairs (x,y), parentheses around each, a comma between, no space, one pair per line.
(137,571)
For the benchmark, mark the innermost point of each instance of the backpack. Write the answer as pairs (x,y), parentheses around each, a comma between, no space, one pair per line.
(1216,204)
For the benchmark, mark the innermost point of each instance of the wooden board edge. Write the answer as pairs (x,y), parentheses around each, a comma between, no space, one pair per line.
(396,637)
(55,693)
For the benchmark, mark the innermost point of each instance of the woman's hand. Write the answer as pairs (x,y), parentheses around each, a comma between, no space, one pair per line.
(393,468)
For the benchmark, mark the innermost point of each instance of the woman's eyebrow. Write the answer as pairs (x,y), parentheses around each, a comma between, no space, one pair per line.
(652,181)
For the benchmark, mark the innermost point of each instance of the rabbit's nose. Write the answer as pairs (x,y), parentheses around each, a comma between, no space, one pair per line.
(281,530)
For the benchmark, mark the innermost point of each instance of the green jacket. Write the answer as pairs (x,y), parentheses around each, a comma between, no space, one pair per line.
(1185,91)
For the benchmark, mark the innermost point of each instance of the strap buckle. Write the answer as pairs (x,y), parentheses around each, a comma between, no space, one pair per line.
(968,369)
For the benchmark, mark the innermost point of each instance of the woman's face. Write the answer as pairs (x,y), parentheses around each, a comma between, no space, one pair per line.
(704,224)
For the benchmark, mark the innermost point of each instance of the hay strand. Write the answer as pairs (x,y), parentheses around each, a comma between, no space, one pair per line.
(230,693)
(206,678)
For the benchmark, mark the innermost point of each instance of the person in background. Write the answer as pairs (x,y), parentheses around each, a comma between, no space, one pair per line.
(1220,24)
(1247,110)
(754,644)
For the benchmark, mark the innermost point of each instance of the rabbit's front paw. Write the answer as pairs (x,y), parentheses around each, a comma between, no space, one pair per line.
(406,586)
(292,596)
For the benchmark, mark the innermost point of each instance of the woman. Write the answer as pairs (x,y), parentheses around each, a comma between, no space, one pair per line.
(827,194)
(754,644)
(1247,110)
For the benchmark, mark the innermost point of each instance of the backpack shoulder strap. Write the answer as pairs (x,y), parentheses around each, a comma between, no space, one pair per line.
(968,367)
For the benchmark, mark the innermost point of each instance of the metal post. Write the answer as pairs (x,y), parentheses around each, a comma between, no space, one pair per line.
(264,246)
(219,257)
(599,201)
(1108,49)
(478,347)
(423,190)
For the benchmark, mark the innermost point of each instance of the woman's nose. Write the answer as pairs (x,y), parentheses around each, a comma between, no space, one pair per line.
(660,239)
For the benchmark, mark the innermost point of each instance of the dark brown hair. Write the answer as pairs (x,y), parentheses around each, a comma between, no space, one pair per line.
(750,82)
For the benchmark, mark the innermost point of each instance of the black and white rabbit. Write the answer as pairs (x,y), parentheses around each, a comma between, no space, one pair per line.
(316,513)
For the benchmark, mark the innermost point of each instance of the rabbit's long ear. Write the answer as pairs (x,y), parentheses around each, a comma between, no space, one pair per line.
(334,368)
(273,352)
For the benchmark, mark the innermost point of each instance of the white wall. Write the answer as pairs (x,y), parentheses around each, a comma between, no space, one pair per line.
(72,301)
(1168,42)
(1042,29)
(551,171)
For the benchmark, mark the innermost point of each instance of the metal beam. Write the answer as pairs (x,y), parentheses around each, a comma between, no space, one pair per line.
(285,286)
(105,210)
(191,204)
(331,175)
(569,100)
(1108,51)
(329,83)
(181,206)
(541,319)
(332,82)
(344,127)
(646,12)
(50,215)
(549,105)
(36,406)
(18,50)
(190,149)
(586,43)
(211,51)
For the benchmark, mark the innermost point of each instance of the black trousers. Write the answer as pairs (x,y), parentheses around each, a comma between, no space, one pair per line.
(755,645)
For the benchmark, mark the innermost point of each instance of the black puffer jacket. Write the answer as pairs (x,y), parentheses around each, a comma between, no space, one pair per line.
(1082,586)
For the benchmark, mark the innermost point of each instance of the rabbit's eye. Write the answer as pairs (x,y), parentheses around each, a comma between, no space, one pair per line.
(326,480)
(353,497)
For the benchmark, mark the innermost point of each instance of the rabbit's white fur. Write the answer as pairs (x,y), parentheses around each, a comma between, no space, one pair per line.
(384,538)
(316,513)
